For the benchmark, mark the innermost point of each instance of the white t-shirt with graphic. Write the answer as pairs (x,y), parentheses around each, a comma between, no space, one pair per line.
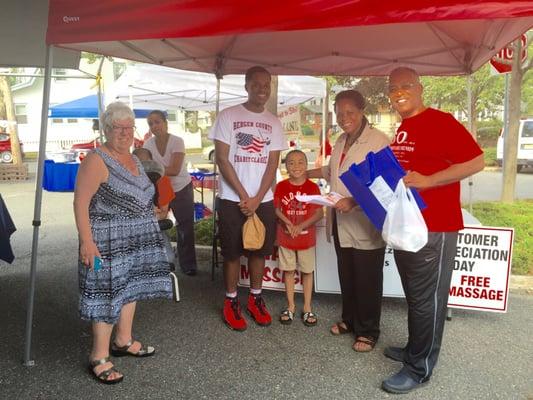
(175,144)
(251,136)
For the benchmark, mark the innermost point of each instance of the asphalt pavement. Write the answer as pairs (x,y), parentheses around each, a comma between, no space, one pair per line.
(484,356)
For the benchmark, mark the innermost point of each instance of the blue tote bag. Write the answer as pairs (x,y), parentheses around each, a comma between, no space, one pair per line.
(374,180)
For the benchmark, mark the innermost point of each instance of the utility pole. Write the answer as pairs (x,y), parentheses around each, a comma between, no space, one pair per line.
(510,148)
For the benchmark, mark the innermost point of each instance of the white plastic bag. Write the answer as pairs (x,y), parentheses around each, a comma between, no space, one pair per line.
(404,227)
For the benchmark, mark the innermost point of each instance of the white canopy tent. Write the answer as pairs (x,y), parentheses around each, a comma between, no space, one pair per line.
(154,87)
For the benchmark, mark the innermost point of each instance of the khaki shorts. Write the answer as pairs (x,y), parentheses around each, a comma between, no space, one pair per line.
(305,259)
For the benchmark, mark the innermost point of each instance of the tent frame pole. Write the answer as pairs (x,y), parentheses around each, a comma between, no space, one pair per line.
(28,362)
(325,123)
(214,250)
(100,99)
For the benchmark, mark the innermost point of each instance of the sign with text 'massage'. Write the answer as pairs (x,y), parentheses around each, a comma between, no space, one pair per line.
(480,279)
(482,269)
(272,276)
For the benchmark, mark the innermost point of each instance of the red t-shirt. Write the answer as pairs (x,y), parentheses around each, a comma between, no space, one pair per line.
(430,142)
(296,212)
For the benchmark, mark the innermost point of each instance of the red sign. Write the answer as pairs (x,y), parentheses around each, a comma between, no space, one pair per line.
(502,61)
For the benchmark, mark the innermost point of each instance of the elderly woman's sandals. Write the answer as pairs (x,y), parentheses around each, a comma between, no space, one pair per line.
(145,351)
(104,375)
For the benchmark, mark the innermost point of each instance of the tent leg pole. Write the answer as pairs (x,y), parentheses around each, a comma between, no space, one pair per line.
(101,99)
(28,362)
(214,250)
(325,123)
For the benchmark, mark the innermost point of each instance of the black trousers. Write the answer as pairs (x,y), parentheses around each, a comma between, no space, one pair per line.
(426,277)
(361,281)
(183,209)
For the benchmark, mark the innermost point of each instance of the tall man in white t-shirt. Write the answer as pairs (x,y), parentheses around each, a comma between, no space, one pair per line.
(248,140)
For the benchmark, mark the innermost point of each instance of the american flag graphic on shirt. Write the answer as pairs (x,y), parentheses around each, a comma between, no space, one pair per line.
(250,143)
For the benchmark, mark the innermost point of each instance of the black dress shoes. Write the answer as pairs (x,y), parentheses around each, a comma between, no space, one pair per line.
(394,353)
(401,383)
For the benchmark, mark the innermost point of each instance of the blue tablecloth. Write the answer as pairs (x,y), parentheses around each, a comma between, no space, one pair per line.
(60,177)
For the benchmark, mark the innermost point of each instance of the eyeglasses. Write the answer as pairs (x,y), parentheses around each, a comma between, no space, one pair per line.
(405,87)
(123,129)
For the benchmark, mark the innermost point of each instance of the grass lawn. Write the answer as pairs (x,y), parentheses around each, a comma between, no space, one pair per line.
(490,156)
(519,216)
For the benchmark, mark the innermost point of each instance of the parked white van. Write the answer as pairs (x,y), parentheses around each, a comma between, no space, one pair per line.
(525,145)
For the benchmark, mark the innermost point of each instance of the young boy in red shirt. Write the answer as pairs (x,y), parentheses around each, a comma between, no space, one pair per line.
(296,234)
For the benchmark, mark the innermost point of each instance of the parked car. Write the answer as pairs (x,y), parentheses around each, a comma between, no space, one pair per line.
(81,149)
(6,154)
(208,153)
(525,145)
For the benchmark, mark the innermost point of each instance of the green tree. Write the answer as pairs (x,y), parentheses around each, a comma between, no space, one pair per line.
(92,58)
(373,89)
(450,93)
(510,151)
(527,92)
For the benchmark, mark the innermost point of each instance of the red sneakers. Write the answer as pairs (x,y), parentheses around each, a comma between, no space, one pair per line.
(258,311)
(232,314)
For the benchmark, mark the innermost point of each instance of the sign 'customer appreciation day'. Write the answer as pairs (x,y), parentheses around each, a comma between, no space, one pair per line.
(482,269)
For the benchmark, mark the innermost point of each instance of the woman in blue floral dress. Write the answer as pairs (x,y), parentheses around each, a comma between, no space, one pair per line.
(117,227)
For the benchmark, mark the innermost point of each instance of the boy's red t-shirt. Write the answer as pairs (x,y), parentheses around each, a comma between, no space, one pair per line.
(430,142)
(297,212)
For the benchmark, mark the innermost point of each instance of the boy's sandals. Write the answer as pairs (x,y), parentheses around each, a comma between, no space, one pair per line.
(144,351)
(309,318)
(364,344)
(103,376)
(339,328)
(286,317)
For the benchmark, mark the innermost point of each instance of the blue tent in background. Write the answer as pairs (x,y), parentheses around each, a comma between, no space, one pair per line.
(86,107)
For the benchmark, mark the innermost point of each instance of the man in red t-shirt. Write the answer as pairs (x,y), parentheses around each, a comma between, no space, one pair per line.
(296,234)
(437,152)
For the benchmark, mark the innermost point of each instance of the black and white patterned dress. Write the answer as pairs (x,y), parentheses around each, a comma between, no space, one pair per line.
(125,230)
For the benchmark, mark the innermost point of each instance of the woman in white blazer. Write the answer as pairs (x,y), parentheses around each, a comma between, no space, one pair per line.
(359,246)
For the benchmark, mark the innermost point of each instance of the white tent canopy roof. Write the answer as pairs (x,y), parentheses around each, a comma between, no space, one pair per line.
(156,87)
(433,48)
